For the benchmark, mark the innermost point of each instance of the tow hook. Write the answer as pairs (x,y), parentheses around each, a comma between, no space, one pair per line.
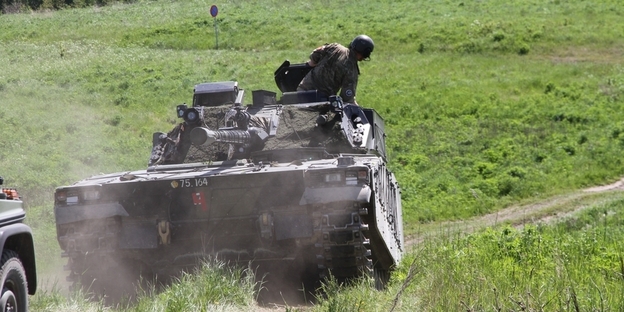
(164,233)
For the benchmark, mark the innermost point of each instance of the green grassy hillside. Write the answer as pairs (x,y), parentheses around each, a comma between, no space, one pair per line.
(486,103)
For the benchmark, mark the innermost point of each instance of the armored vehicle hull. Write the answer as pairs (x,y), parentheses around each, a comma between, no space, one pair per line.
(301,182)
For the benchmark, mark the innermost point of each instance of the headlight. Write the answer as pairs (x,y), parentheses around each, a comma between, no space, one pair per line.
(191,115)
(61,196)
(181,109)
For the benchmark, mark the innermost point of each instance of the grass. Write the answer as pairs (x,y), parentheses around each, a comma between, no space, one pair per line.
(469,131)
(575,264)
(211,287)
(486,104)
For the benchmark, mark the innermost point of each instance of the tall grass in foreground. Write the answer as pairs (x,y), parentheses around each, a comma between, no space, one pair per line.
(216,287)
(212,287)
(577,264)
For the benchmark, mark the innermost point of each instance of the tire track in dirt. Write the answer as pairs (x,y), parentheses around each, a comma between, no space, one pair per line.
(544,211)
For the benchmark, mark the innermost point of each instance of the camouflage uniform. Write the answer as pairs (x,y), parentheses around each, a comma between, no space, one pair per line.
(336,69)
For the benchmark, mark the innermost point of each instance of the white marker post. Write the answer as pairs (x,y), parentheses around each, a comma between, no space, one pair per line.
(213,12)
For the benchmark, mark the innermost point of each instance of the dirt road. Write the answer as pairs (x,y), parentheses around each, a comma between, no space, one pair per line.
(539,211)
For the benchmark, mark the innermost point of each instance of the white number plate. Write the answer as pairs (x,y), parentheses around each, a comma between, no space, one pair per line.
(186,183)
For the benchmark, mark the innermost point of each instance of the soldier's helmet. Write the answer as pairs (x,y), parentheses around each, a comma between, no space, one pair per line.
(363,44)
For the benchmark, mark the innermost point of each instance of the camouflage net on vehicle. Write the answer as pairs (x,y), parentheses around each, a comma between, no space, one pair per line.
(297,128)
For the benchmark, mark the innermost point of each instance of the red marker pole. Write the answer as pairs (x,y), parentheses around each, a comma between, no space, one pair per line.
(213,12)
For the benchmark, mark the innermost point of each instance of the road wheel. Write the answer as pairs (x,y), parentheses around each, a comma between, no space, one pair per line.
(14,287)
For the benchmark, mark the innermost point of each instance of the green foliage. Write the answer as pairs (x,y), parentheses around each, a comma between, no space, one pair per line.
(350,297)
(574,264)
(478,133)
(467,132)
(486,103)
(212,287)
(22,6)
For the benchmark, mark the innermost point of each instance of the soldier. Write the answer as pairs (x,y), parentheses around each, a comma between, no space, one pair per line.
(336,68)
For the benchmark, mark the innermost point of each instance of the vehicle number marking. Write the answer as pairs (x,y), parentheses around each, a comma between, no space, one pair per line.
(186,183)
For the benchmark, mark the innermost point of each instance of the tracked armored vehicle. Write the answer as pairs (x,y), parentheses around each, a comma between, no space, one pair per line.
(301,179)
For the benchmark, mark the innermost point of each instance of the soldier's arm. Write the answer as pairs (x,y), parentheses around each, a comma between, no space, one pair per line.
(316,55)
